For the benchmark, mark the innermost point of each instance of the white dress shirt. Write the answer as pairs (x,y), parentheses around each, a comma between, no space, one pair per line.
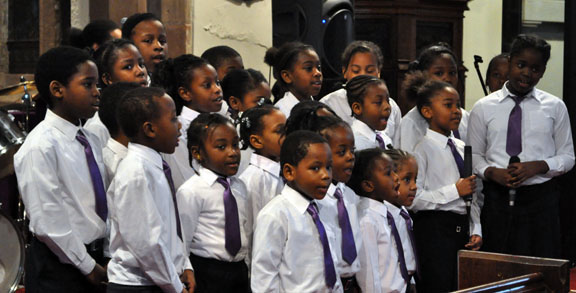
(329,217)
(413,127)
(57,191)
(201,206)
(288,102)
(365,137)
(288,255)
(262,180)
(145,246)
(402,228)
(546,133)
(179,160)
(380,270)
(96,126)
(437,177)
(113,153)
(338,101)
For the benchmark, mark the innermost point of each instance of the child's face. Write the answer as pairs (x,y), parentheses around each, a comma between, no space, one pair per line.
(361,63)
(252,98)
(150,38)
(313,174)
(444,69)
(166,126)
(80,98)
(384,180)
(498,74)
(221,152)
(205,93)
(526,70)
(272,136)
(407,174)
(341,140)
(305,77)
(129,67)
(375,109)
(444,113)
(228,65)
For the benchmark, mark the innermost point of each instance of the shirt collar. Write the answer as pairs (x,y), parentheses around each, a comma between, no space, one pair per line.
(209,176)
(68,129)
(291,97)
(364,129)
(188,113)
(265,164)
(394,210)
(147,153)
(505,93)
(297,200)
(115,146)
(375,206)
(439,138)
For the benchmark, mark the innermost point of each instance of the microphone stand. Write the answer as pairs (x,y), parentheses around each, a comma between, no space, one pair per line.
(478,59)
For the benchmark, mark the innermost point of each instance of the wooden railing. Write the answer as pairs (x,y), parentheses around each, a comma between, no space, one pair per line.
(494,272)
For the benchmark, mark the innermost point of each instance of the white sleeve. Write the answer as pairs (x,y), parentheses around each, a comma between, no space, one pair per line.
(430,199)
(41,191)
(477,138)
(409,134)
(189,207)
(369,277)
(267,253)
(140,224)
(563,161)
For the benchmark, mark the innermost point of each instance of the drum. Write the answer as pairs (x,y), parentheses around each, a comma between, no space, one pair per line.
(10,134)
(11,255)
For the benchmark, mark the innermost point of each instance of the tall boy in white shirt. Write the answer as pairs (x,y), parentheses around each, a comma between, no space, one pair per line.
(524,122)
(146,242)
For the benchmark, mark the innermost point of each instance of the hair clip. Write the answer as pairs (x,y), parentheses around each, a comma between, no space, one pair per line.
(263,101)
(245,121)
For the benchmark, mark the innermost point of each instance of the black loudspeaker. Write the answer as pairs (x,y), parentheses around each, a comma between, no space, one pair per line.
(327,25)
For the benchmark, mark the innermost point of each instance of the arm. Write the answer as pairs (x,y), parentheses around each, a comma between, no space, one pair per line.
(427,199)
(189,207)
(410,134)
(267,253)
(141,226)
(369,277)
(43,197)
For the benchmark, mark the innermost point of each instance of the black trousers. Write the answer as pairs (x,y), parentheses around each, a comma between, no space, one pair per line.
(439,235)
(117,288)
(219,276)
(531,227)
(45,273)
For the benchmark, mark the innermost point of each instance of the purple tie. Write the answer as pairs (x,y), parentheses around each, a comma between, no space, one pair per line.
(232,223)
(329,270)
(457,157)
(401,259)
(348,245)
(514,135)
(380,141)
(168,175)
(97,183)
(408,220)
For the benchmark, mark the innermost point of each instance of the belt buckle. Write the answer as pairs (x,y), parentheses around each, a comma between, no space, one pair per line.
(348,284)
(458,229)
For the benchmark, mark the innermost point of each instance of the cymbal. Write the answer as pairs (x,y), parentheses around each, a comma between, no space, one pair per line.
(11,96)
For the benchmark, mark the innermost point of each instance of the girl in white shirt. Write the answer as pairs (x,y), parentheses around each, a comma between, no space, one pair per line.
(213,206)
(362,57)
(195,88)
(244,89)
(298,74)
(441,224)
(438,62)
(262,129)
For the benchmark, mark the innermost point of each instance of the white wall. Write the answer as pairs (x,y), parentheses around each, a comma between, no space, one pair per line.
(246,28)
(482,36)
(79,13)
(552,81)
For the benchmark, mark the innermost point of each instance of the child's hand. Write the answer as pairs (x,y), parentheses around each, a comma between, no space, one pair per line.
(466,186)
(475,242)
(520,172)
(188,279)
(97,276)
(499,175)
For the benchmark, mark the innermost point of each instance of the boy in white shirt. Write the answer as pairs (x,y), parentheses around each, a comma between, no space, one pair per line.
(146,241)
(292,250)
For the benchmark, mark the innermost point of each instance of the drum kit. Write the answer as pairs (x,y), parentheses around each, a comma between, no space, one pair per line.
(17,115)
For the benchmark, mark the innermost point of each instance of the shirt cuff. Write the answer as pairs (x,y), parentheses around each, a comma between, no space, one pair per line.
(451,193)
(87,265)
(553,167)
(481,171)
